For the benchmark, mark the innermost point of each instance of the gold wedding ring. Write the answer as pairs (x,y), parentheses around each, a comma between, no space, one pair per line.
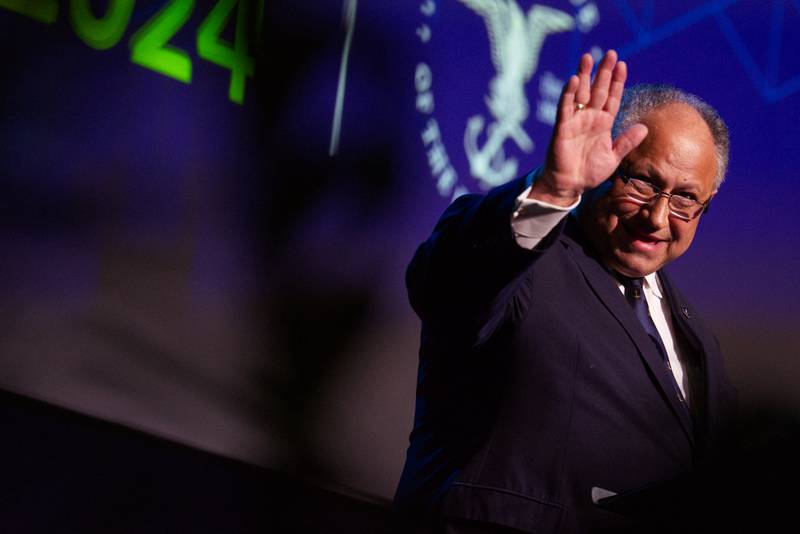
(579,107)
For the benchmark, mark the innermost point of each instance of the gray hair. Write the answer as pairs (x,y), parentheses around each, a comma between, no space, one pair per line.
(639,100)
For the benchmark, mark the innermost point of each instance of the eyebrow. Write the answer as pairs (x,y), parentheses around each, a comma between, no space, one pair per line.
(653,173)
(654,176)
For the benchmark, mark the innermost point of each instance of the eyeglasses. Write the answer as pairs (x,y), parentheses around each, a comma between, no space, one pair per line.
(643,192)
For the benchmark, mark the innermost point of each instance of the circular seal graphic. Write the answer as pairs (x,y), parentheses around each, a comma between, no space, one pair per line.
(496,90)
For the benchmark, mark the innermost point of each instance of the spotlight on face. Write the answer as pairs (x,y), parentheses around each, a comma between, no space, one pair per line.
(637,238)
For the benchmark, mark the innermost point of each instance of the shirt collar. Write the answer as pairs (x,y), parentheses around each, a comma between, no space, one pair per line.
(651,282)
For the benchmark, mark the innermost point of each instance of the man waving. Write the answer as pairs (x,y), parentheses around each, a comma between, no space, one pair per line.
(561,371)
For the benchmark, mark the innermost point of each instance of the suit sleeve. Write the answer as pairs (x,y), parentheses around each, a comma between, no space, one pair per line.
(464,280)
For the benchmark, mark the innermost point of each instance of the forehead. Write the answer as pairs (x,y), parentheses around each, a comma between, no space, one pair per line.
(679,147)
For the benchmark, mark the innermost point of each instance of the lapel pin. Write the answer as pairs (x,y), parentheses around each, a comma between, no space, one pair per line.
(685,311)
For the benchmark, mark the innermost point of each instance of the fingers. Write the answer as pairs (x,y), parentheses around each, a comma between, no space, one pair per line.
(566,106)
(584,77)
(604,93)
(602,80)
(616,88)
(628,140)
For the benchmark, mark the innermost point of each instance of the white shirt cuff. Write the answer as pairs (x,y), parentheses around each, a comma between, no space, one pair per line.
(532,219)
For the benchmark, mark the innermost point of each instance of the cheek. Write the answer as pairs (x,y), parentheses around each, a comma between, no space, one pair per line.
(620,214)
(682,236)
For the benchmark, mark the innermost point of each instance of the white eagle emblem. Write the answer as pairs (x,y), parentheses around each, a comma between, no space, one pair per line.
(516,42)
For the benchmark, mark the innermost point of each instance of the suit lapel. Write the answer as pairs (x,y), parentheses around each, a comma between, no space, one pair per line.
(683,317)
(604,286)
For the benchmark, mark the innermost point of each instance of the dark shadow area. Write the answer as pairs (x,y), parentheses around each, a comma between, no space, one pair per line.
(64,472)
(313,211)
(751,486)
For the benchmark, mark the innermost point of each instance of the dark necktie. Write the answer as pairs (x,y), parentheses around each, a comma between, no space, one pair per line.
(634,294)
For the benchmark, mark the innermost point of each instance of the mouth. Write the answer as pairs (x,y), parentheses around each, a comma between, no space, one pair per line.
(644,242)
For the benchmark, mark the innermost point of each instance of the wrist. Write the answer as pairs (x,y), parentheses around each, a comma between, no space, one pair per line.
(543,192)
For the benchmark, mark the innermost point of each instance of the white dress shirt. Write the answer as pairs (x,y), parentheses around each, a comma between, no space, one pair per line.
(532,220)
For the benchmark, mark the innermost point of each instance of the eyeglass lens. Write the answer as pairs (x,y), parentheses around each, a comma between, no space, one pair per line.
(645,192)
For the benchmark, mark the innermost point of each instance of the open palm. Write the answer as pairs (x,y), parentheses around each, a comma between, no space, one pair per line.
(582,154)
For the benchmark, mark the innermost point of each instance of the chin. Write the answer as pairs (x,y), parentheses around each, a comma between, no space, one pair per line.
(635,267)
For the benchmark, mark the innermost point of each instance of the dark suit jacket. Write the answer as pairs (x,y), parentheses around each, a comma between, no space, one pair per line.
(537,382)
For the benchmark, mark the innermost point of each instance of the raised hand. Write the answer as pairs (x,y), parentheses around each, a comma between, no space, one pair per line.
(582,154)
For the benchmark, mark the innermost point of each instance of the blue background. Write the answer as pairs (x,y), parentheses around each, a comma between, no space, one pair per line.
(206,272)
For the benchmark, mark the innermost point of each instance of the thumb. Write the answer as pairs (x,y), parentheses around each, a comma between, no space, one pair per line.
(628,140)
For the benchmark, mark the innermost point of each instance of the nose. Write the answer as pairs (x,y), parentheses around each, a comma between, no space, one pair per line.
(656,213)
